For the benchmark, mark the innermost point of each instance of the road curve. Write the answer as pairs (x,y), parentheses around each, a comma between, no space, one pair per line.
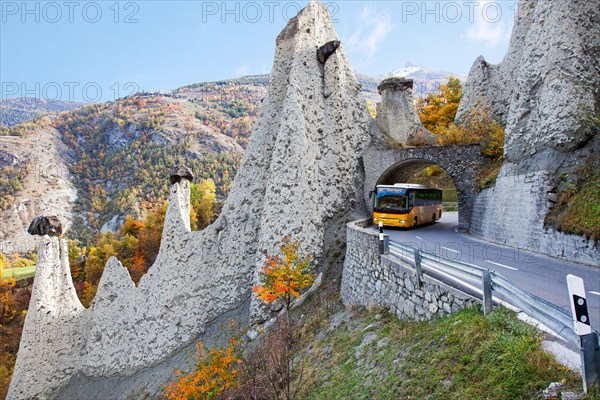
(538,274)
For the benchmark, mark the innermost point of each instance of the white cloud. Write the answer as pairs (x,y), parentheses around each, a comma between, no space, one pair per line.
(373,28)
(488,27)
(242,70)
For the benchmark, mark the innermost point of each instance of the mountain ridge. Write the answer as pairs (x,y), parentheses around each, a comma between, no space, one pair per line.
(22,109)
(19,110)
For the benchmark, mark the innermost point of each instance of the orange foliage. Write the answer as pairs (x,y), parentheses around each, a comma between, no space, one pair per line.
(284,278)
(222,373)
(132,226)
(216,372)
(89,291)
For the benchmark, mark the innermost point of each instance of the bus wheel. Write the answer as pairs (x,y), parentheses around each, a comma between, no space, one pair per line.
(433,219)
(415,222)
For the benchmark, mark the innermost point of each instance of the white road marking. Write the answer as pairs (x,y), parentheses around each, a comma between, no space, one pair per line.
(596,293)
(420,238)
(502,265)
(452,250)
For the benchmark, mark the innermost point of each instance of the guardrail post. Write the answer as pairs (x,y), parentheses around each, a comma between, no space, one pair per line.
(590,361)
(418,267)
(590,347)
(487,292)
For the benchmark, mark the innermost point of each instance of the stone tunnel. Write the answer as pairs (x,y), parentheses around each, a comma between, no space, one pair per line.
(461,162)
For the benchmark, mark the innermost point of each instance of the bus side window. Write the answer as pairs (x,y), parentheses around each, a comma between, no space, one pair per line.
(411,199)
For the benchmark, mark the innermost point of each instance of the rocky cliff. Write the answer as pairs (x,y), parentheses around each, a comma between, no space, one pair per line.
(543,91)
(296,178)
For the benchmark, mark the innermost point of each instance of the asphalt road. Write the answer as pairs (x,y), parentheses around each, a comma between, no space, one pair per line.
(538,274)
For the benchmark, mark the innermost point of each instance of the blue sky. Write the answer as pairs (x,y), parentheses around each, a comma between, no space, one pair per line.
(101,50)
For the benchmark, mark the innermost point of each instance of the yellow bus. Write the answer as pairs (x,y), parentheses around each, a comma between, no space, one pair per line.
(406,205)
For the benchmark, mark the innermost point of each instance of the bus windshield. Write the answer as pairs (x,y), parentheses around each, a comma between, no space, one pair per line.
(391,203)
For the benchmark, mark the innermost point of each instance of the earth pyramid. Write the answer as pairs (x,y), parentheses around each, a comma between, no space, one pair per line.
(297,178)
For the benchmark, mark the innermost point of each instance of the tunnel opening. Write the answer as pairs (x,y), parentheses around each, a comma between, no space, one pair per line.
(430,174)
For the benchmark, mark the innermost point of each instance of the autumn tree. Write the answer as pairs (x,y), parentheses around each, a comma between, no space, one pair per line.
(7,301)
(216,373)
(478,126)
(150,234)
(282,280)
(14,300)
(438,110)
(98,255)
(202,199)
(132,226)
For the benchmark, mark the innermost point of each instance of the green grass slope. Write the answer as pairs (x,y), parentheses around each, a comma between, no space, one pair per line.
(373,355)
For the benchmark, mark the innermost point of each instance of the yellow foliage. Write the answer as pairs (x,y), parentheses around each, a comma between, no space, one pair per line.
(5,376)
(89,291)
(456,134)
(493,142)
(132,226)
(7,301)
(20,262)
(478,127)
(97,257)
(437,111)
(434,170)
(202,198)
(372,108)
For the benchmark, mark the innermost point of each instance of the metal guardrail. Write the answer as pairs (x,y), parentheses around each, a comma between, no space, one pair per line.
(498,288)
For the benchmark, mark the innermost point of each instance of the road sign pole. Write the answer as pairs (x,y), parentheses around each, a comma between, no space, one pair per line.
(590,346)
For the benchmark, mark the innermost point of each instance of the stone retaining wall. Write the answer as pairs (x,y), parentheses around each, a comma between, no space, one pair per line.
(512,213)
(370,279)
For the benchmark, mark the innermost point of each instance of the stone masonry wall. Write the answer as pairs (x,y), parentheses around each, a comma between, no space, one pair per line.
(513,212)
(370,279)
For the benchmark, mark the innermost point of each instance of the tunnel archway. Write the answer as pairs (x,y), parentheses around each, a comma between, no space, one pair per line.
(462,163)
(403,171)
(406,171)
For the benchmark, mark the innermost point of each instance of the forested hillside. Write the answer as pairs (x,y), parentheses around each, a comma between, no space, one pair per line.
(119,154)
